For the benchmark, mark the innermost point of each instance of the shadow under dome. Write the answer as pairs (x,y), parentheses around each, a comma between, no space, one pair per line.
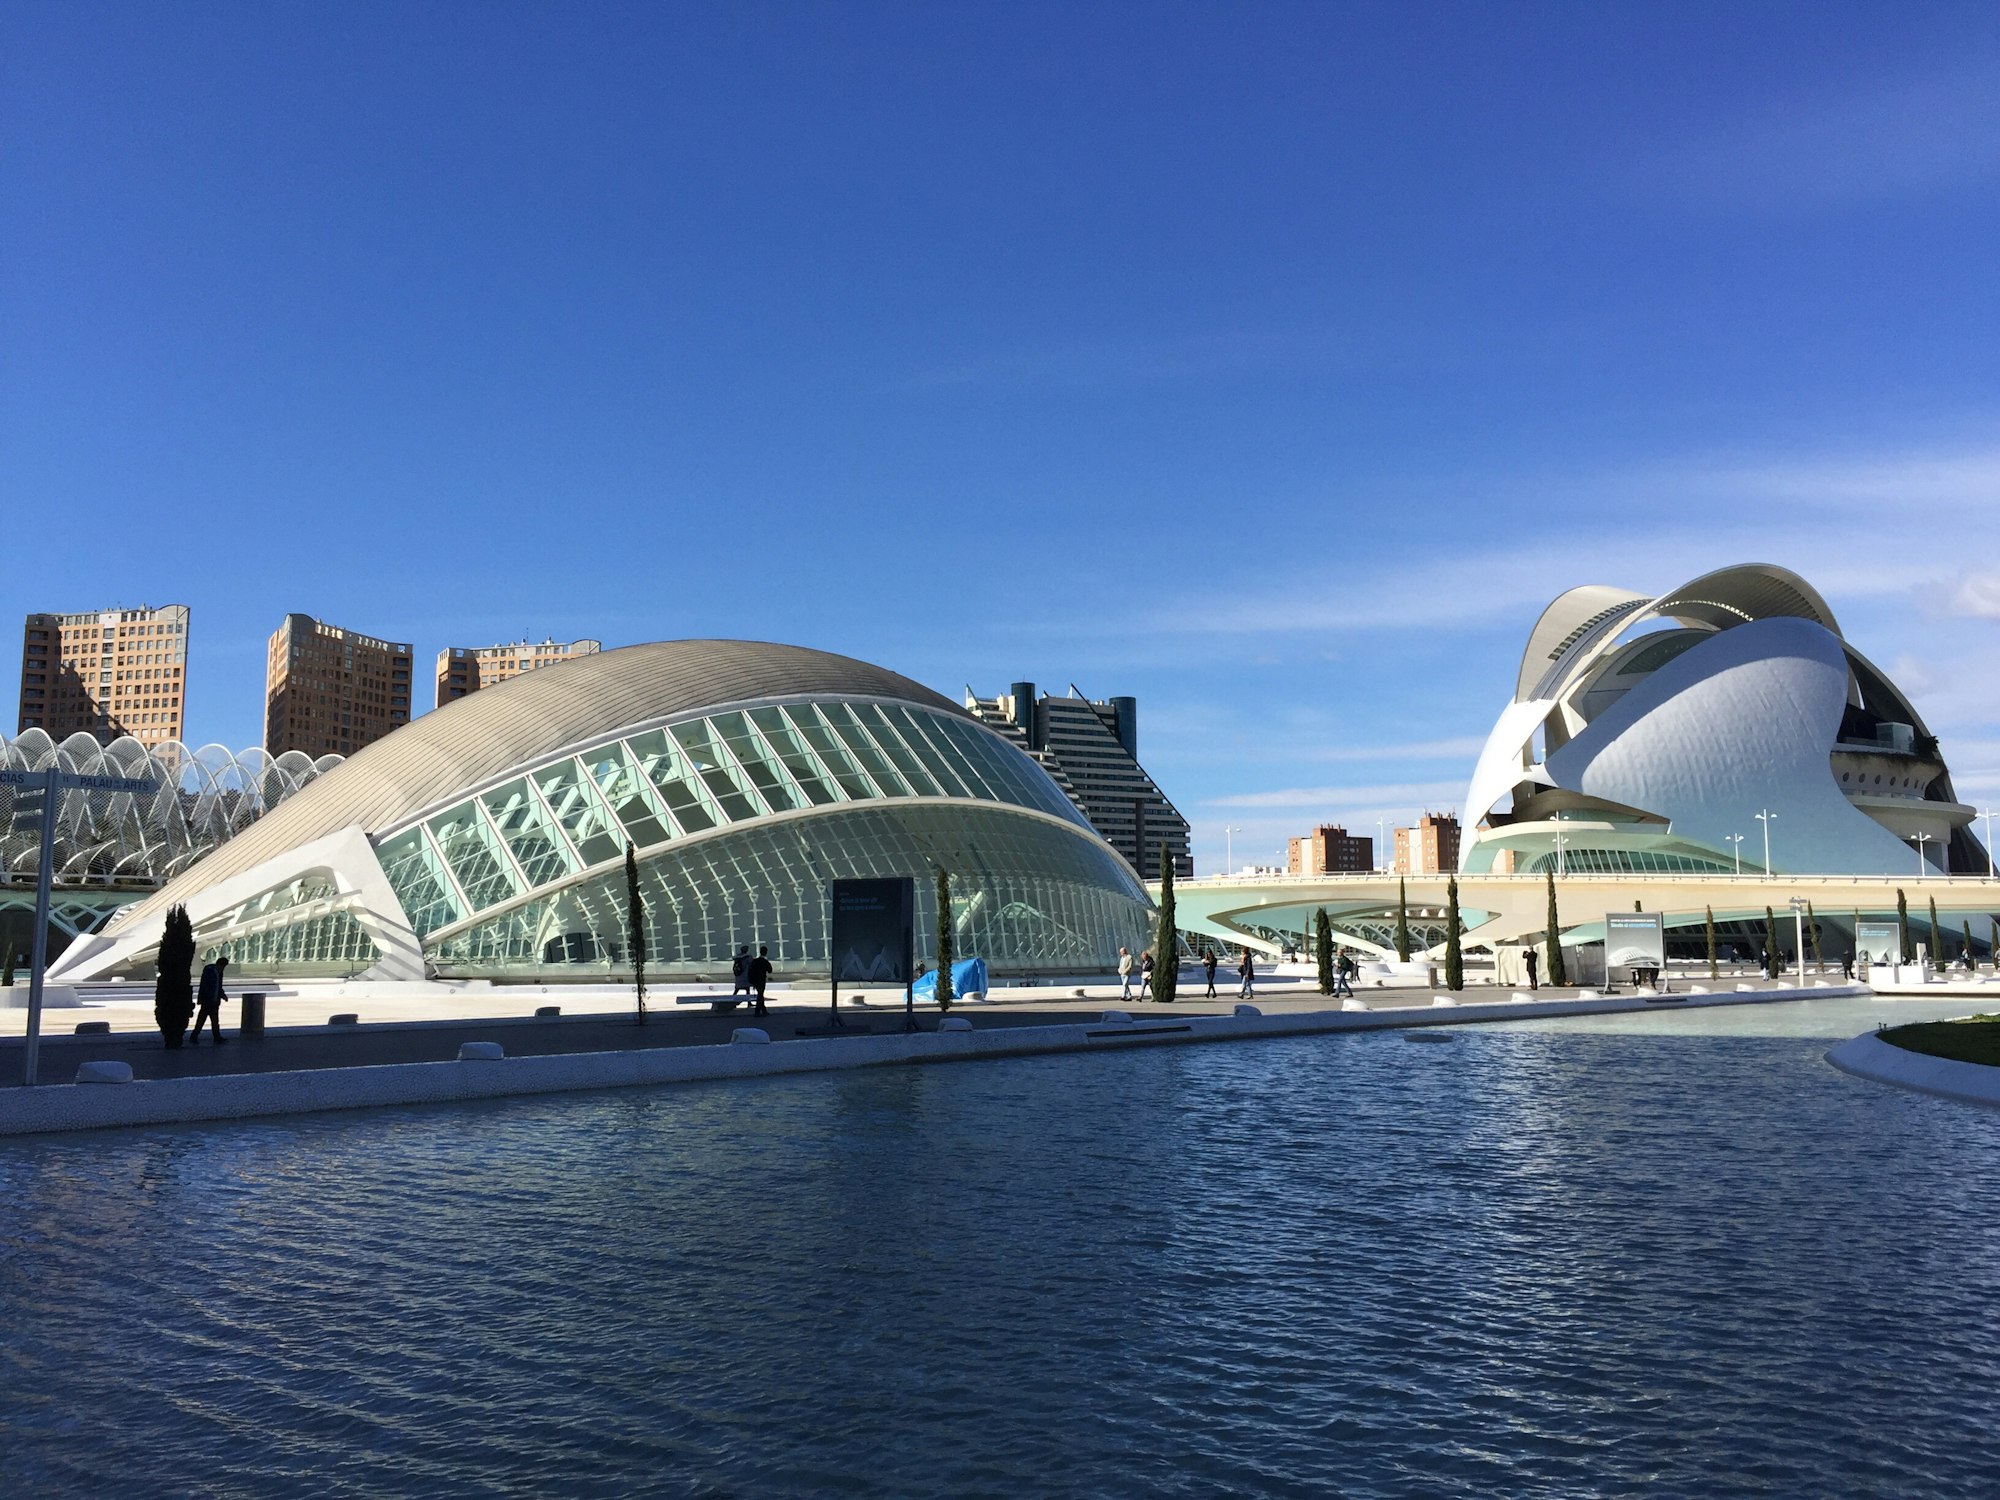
(476,739)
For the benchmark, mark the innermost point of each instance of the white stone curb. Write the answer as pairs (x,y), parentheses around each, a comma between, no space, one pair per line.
(61,1107)
(1868,1056)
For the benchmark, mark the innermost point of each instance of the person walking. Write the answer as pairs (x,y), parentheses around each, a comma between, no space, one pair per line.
(1533,960)
(1248,970)
(1847,965)
(1208,968)
(1343,971)
(209,999)
(739,972)
(757,973)
(1124,973)
(1146,974)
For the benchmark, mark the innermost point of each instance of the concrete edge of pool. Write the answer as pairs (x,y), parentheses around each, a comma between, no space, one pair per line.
(1868,1056)
(95,1106)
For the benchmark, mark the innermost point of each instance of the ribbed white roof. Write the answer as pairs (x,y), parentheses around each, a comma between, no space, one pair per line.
(478,738)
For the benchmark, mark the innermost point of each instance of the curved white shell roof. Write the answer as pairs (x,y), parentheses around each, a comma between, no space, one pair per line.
(480,737)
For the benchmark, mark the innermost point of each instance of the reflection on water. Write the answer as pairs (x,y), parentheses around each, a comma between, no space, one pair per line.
(1676,1254)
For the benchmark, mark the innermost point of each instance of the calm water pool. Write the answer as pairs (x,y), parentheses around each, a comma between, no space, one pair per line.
(1672,1254)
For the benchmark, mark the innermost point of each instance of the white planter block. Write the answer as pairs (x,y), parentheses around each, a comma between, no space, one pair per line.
(954,1023)
(1115,1018)
(480,1052)
(750,1036)
(104,1072)
(1247,1011)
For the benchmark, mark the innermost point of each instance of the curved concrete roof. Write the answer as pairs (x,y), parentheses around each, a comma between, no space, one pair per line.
(479,737)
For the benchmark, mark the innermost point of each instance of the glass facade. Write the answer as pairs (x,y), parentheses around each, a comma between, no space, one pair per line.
(565,817)
(1586,861)
(1025,897)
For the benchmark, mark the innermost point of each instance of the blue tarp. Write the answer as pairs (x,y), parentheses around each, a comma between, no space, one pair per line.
(968,977)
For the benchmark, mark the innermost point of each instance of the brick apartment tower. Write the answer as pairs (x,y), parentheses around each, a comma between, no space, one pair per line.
(108,673)
(1331,850)
(467,669)
(329,691)
(1430,848)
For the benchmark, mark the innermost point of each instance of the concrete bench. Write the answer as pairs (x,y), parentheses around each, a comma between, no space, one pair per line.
(717,1004)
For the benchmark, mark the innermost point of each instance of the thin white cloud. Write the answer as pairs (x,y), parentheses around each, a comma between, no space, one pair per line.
(1369,798)
(1891,137)
(1977,596)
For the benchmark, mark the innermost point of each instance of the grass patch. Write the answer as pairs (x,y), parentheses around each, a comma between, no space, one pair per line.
(1976,1039)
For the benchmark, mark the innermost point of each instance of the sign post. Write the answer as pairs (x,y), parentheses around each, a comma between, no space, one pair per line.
(871,937)
(52,783)
(1635,940)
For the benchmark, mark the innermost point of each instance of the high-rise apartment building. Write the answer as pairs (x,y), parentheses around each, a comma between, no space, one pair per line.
(329,691)
(108,673)
(1091,749)
(1430,848)
(1331,850)
(467,669)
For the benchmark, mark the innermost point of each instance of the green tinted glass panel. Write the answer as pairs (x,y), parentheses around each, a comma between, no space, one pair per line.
(862,744)
(889,735)
(469,848)
(629,793)
(419,882)
(951,774)
(783,737)
(518,814)
(832,753)
(674,778)
(572,797)
(716,772)
(758,762)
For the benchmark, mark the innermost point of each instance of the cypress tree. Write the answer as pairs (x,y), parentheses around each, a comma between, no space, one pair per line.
(1993,944)
(1812,937)
(1937,943)
(945,955)
(1167,949)
(1558,971)
(635,926)
(1323,950)
(173,991)
(1903,927)
(1402,921)
(1454,957)
(1713,971)
(1965,953)
(1770,944)
(7,979)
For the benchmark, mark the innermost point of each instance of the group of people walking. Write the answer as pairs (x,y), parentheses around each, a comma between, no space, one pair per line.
(1246,970)
(751,975)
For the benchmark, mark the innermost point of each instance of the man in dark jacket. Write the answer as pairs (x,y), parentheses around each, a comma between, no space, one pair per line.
(758,972)
(209,1000)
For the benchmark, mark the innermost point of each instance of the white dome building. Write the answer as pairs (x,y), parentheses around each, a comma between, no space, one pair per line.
(1674,734)
(488,839)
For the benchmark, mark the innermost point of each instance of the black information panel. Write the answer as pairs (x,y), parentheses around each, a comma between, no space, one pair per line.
(872,930)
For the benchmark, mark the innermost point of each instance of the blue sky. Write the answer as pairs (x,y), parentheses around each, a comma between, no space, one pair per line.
(1273,363)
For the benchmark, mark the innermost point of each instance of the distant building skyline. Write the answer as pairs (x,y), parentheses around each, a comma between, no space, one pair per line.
(1330,850)
(332,691)
(1429,846)
(463,670)
(1091,749)
(106,673)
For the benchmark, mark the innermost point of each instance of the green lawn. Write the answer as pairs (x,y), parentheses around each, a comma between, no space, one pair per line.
(1975,1039)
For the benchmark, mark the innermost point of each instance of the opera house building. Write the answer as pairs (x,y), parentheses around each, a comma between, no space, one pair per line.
(1674,734)
(489,838)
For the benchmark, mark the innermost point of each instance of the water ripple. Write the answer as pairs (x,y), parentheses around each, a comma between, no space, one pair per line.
(1536,1262)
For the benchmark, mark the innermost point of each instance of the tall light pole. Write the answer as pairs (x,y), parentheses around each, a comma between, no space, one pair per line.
(1987,814)
(1229,850)
(1799,927)
(1767,818)
(1736,852)
(1558,820)
(1923,865)
(1382,847)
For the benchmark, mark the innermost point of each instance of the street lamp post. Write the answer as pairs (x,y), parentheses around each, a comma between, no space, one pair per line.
(1987,814)
(1767,818)
(1381,846)
(1799,929)
(1923,865)
(1559,820)
(1229,850)
(1736,852)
